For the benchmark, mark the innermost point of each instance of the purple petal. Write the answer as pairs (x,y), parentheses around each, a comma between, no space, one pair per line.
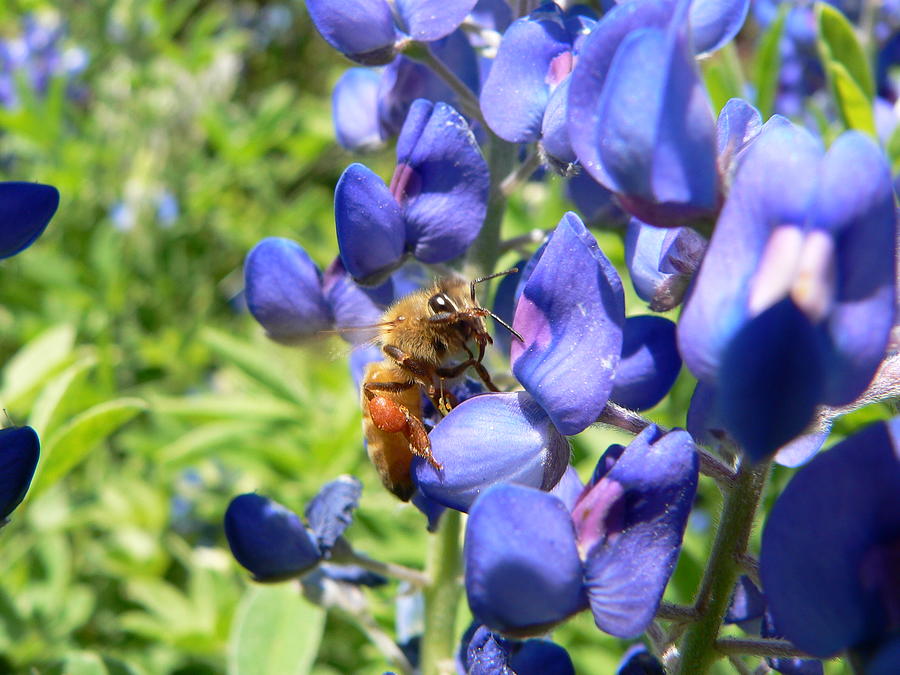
(25,211)
(19,453)
(428,20)
(738,124)
(523,573)
(505,306)
(650,362)
(268,539)
(662,262)
(590,74)
(442,182)
(402,82)
(631,552)
(369,223)
(554,129)
(855,203)
(886,661)
(354,306)
(770,380)
(331,511)
(362,30)
(429,508)
(757,203)
(284,290)
(571,315)
(354,109)
(569,488)
(518,87)
(826,541)
(494,438)
(794,666)
(715,22)
(747,602)
(491,654)
(638,661)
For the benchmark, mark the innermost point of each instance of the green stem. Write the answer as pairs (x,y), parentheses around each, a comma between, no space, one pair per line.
(698,651)
(501,157)
(442,596)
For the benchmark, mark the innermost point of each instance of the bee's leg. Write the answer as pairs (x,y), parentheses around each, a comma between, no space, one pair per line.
(472,362)
(393,417)
(425,373)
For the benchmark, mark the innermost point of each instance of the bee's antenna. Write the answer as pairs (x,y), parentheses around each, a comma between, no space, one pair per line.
(505,325)
(491,276)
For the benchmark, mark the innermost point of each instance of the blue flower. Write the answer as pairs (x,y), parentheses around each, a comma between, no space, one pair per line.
(272,542)
(638,661)
(525,95)
(19,452)
(794,301)
(486,653)
(434,207)
(25,211)
(570,314)
(830,551)
(531,563)
(365,30)
(650,362)
(354,110)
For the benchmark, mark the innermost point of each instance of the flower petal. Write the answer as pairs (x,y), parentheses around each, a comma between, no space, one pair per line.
(523,574)
(756,205)
(747,602)
(354,109)
(331,511)
(627,569)
(445,182)
(517,89)
(25,211)
(596,204)
(269,539)
(488,439)
(571,315)
(569,488)
(362,30)
(428,20)
(284,290)
(738,124)
(638,661)
(819,539)
(19,453)
(855,203)
(715,22)
(369,224)
(650,362)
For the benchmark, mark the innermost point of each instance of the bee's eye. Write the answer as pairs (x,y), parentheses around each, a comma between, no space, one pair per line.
(441,303)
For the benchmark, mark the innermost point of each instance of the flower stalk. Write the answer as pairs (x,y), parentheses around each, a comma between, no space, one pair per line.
(442,595)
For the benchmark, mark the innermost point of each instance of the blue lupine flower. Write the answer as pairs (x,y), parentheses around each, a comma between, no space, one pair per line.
(19,452)
(364,30)
(25,211)
(354,110)
(794,301)
(708,428)
(272,542)
(530,563)
(486,653)
(662,261)
(830,550)
(570,314)
(650,362)
(596,204)
(640,121)
(525,95)
(434,207)
(638,661)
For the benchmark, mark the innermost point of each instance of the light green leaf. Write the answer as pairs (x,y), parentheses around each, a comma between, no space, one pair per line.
(723,76)
(199,442)
(226,406)
(846,68)
(54,392)
(274,631)
(70,444)
(767,64)
(35,361)
(255,363)
(84,663)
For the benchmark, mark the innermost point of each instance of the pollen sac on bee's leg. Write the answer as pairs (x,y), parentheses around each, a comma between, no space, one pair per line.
(387,415)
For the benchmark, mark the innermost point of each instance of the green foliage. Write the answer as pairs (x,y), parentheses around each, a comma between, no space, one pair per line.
(767,64)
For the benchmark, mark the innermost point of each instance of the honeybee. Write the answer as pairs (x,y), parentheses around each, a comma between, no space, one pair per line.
(426,338)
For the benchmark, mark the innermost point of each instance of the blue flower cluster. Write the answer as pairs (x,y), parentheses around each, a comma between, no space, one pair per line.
(779,246)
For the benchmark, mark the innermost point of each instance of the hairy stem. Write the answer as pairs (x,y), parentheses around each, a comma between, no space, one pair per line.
(413,577)
(699,650)
(760,647)
(512,182)
(468,102)
(442,596)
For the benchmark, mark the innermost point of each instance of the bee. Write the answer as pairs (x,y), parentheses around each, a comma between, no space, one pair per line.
(426,338)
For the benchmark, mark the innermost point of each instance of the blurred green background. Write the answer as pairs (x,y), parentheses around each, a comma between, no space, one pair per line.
(179,133)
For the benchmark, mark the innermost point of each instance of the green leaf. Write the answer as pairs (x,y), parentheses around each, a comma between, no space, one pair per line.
(34,362)
(893,150)
(226,406)
(767,64)
(723,76)
(208,438)
(84,663)
(47,404)
(72,442)
(255,363)
(274,631)
(846,68)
